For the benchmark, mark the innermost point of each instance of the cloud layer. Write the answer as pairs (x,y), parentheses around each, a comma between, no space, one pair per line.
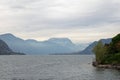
(80,20)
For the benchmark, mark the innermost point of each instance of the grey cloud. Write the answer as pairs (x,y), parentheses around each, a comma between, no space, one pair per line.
(104,13)
(57,16)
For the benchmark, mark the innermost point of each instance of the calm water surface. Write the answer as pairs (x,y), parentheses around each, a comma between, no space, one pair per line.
(53,67)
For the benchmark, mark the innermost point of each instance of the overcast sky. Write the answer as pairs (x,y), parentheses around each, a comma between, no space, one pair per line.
(80,20)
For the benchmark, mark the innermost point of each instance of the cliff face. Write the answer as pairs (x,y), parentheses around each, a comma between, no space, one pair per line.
(5,50)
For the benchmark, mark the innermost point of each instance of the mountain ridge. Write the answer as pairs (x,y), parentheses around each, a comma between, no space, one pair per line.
(5,50)
(88,50)
(31,46)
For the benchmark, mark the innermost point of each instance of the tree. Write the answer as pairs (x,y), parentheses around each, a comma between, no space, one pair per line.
(116,39)
(115,45)
(100,50)
(108,53)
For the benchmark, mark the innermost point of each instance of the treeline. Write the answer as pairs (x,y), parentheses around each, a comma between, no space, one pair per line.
(108,53)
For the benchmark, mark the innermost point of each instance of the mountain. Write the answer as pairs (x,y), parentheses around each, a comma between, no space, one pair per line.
(89,49)
(31,46)
(5,50)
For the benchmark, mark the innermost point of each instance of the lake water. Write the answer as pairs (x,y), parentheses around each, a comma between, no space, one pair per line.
(53,67)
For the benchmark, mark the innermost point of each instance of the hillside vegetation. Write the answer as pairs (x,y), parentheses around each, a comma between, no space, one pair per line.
(108,53)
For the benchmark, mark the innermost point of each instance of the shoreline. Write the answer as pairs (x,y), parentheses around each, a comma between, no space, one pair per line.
(106,66)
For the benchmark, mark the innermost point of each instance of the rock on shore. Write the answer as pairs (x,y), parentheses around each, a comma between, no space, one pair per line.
(108,66)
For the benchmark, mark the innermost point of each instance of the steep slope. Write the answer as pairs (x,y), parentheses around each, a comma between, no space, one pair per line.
(30,46)
(5,50)
(14,43)
(89,49)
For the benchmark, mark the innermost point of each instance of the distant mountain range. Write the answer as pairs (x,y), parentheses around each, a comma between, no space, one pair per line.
(5,50)
(88,50)
(55,46)
(30,46)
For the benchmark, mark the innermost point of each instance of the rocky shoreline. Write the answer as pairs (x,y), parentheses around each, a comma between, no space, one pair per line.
(107,66)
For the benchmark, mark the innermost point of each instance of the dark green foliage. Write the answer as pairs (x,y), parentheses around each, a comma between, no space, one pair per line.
(100,51)
(112,59)
(109,54)
(115,45)
(116,39)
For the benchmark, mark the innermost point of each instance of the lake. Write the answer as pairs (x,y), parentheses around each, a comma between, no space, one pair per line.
(53,67)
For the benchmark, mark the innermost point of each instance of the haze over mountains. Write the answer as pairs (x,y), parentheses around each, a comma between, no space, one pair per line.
(50,46)
(5,50)
(30,46)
